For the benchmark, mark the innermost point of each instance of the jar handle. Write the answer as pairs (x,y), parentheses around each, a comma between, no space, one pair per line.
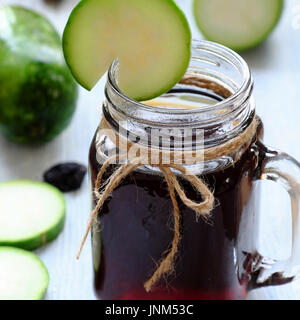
(279,167)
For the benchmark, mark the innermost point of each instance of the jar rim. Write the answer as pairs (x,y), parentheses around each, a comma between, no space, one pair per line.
(200,45)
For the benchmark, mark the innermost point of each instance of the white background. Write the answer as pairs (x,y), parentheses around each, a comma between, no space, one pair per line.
(276,70)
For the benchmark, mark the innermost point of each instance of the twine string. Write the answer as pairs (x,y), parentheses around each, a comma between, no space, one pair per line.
(166,265)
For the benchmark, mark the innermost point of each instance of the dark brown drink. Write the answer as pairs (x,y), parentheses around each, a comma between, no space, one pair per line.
(136,228)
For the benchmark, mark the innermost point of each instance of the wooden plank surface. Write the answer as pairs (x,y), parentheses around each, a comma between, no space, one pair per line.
(276,71)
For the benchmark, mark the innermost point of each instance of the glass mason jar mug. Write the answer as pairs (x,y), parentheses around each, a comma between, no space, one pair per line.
(146,219)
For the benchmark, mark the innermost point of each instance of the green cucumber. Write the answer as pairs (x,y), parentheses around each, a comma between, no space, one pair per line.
(151,39)
(37,91)
(237,24)
(23,276)
(31,213)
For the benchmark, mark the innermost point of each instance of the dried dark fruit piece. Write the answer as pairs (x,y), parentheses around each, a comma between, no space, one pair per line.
(66,176)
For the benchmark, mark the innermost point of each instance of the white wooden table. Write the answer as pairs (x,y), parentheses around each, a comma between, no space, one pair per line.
(276,71)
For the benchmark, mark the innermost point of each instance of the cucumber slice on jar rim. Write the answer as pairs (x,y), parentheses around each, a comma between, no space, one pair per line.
(31,213)
(237,24)
(151,40)
(23,276)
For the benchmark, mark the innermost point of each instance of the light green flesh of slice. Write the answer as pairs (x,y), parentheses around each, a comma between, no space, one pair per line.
(27,210)
(150,39)
(22,275)
(237,23)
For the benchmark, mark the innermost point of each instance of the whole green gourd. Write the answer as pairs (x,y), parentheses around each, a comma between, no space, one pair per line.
(37,92)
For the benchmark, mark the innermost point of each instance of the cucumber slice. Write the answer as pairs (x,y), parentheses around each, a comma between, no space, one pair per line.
(23,276)
(151,39)
(31,213)
(238,24)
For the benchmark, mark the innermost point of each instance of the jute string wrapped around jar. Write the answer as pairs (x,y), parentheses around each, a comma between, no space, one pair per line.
(165,160)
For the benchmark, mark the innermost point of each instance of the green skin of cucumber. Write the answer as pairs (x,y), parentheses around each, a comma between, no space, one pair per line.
(251,45)
(37,91)
(40,239)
